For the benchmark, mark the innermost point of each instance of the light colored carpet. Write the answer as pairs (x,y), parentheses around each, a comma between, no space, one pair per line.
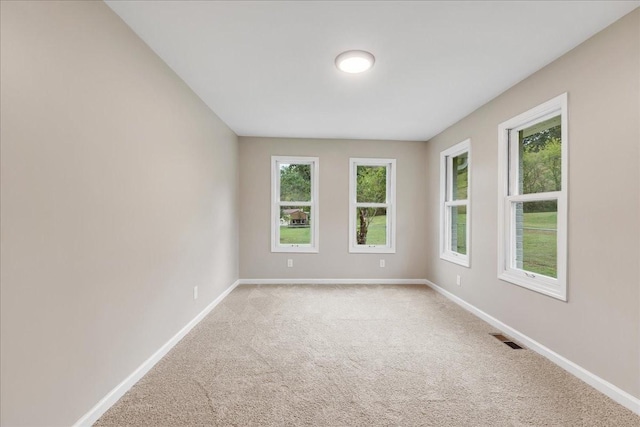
(355,356)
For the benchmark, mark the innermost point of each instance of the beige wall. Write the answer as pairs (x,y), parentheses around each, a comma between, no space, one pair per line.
(118,197)
(334,260)
(598,328)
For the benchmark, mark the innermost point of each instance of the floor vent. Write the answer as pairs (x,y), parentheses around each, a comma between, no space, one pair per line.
(512,345)
(506,340)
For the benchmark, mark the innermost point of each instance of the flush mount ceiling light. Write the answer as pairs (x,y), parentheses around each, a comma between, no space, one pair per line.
(354,61)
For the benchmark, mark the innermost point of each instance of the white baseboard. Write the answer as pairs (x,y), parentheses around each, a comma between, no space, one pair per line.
(112,397)
(333,282)
(615,393)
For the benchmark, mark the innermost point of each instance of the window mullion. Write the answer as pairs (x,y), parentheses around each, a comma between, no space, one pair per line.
(372,205)
(461,202)
(285,203)
(534,197)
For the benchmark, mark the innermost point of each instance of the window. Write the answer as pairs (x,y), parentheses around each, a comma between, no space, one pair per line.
(532,205)
(455,208)
(294,204)
(372,205)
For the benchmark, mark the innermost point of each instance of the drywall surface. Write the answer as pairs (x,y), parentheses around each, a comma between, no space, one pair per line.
(333,260)
(598,327)
(119,195)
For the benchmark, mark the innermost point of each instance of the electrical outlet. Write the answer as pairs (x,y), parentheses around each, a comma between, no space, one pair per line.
(195,292)
(458,280)
(289,262)
(382,263)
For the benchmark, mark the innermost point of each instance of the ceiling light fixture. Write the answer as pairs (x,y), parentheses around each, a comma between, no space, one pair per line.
(354,61)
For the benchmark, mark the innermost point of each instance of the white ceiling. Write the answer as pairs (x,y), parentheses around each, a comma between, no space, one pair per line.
(267,68)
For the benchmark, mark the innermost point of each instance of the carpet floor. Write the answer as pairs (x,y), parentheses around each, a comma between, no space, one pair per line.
(353,355)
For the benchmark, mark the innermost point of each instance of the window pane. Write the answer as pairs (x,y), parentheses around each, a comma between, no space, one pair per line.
(460,180)
(458,231)
(540,157)
(371,226)
(295,225)
(371,185)
(295,183)
(536,227)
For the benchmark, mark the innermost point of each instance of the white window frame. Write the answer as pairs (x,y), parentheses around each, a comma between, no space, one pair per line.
(446,202)
(508,196)
(313,204)
(390,204)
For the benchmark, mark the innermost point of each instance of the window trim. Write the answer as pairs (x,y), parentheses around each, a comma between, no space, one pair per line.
(556,288)
(390,204)
(446,177)
(314,204)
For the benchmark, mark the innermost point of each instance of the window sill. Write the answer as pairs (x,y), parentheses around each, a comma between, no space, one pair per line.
(548,289)
(462,260)
(293,250)
(371,250)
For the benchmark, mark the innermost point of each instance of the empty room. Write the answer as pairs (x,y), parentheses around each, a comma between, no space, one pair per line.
(319,213)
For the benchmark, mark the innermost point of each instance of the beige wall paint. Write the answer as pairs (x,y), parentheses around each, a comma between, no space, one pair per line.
(598,328)
(119,195)
(334,260)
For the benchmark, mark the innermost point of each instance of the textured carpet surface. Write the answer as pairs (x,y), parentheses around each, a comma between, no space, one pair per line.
(355,356)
